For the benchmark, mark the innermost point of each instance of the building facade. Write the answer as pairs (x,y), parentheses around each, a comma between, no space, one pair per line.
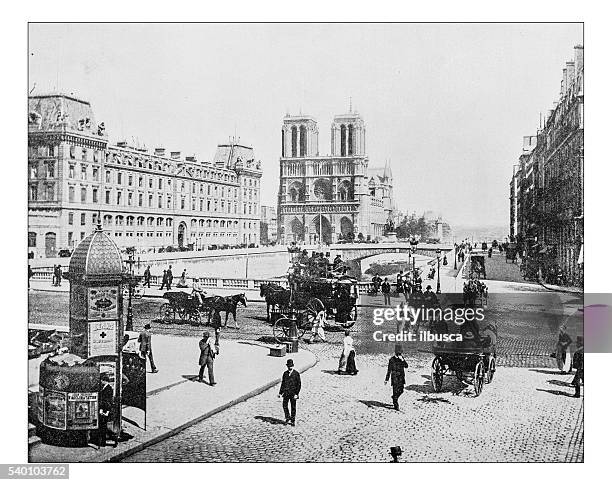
(549,188)
(147,200)
(269,225)
(331,197)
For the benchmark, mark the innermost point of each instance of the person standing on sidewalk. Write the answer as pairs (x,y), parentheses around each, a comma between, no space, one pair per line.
(170,277)
(386,291)
(164,280)
(147,277)
(30,274)
(291,385)
(578,364)
(144,339)
(395,370)
(207,358)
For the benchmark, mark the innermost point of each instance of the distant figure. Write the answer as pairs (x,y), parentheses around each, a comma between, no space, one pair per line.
(164,280)
(182,280)
(291,385)
(146,350)
(147,277)
(578,364)
(30,274)
(207,358)
(490,251)
(395,370)
(170,277)
(386,291)
(376,281)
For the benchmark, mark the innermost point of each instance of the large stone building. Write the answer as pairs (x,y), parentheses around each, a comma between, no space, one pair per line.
(269,225)
(145,200)
(547,187)
(324,198)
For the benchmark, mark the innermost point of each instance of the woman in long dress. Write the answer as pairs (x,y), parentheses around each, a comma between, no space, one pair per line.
(347,359)
(562,351)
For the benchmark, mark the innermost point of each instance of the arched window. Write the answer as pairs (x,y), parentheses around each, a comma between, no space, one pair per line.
(343,141)
(350,140)
(302,141)
(150,221)
(169,222)
(293,141)
(119,220)
(282,143)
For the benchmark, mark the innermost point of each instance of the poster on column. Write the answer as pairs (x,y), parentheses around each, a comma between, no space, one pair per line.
(102,338)
(102,303)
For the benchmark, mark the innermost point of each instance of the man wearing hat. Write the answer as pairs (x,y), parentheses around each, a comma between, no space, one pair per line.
(395,370)
(290,391)
(578,364)
(207,358)
(144,339)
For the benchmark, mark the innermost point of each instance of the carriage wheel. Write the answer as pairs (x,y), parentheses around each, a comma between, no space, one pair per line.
(166,313)
(195,318)
(183,315)
(313,308)
(479,375)
(437,374)
(491,369)
(280,329)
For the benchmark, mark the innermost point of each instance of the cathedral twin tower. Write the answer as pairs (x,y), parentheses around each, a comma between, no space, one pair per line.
(300,136)
(327,198)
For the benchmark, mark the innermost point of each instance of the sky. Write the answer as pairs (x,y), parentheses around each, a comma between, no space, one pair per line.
(447,104)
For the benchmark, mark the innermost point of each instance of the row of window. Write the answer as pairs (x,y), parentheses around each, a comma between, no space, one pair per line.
(159,221)
(201,204)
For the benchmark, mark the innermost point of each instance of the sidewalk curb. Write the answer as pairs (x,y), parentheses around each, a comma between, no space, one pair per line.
(559,289)
(171,432)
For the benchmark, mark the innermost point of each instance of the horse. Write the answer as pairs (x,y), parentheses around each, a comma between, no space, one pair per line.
(227,304)
(275,295)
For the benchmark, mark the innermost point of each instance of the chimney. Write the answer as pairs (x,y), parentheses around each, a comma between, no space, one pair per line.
(564,82)
(160,152)
(571,74)
(578,58)
(191,159)
(175,155)
(122,144)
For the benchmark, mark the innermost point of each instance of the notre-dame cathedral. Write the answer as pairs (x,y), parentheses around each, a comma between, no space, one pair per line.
(325,198)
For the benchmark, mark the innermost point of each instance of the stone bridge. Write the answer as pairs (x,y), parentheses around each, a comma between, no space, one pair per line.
(357,252)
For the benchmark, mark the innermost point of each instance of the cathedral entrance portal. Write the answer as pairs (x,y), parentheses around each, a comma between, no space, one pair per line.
(320,230)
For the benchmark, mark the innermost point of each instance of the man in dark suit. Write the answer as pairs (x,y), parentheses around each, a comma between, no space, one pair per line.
(105,407)
(170,277)
(144,339)
(290,391)
(207,358)
(395,370)
(578,364)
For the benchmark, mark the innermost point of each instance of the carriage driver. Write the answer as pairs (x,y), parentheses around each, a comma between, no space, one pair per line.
(197,290)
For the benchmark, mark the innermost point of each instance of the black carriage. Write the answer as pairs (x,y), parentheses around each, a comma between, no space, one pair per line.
(185,306)
(475,293)
(477,266)
(311,298)
(472,360)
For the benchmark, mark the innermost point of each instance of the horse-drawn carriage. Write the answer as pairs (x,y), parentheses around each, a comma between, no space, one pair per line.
(193,307)
(477,266)
(307,300)
(475,293)
(472,359)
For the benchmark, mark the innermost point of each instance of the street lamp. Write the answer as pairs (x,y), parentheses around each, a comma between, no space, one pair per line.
(438,252)
(129,319)
(413,243)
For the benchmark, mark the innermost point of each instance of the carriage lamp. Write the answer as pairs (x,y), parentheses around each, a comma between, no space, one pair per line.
(395,452)
(438,252)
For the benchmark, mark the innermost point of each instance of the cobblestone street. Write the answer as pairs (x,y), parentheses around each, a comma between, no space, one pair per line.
(523,415)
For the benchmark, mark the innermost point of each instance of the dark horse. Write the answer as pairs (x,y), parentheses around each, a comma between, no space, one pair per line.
(275,295)
(227,304)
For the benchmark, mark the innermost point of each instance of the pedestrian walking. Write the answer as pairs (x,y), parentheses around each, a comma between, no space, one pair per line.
(164,280)
(386,291)
(291,385)
(578,364)
(347,358)
(395,371)
(562,353)
(170,277)
(147,277)
(208,353)
(105,407)
(59,275)
(182,283)
(146,350)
